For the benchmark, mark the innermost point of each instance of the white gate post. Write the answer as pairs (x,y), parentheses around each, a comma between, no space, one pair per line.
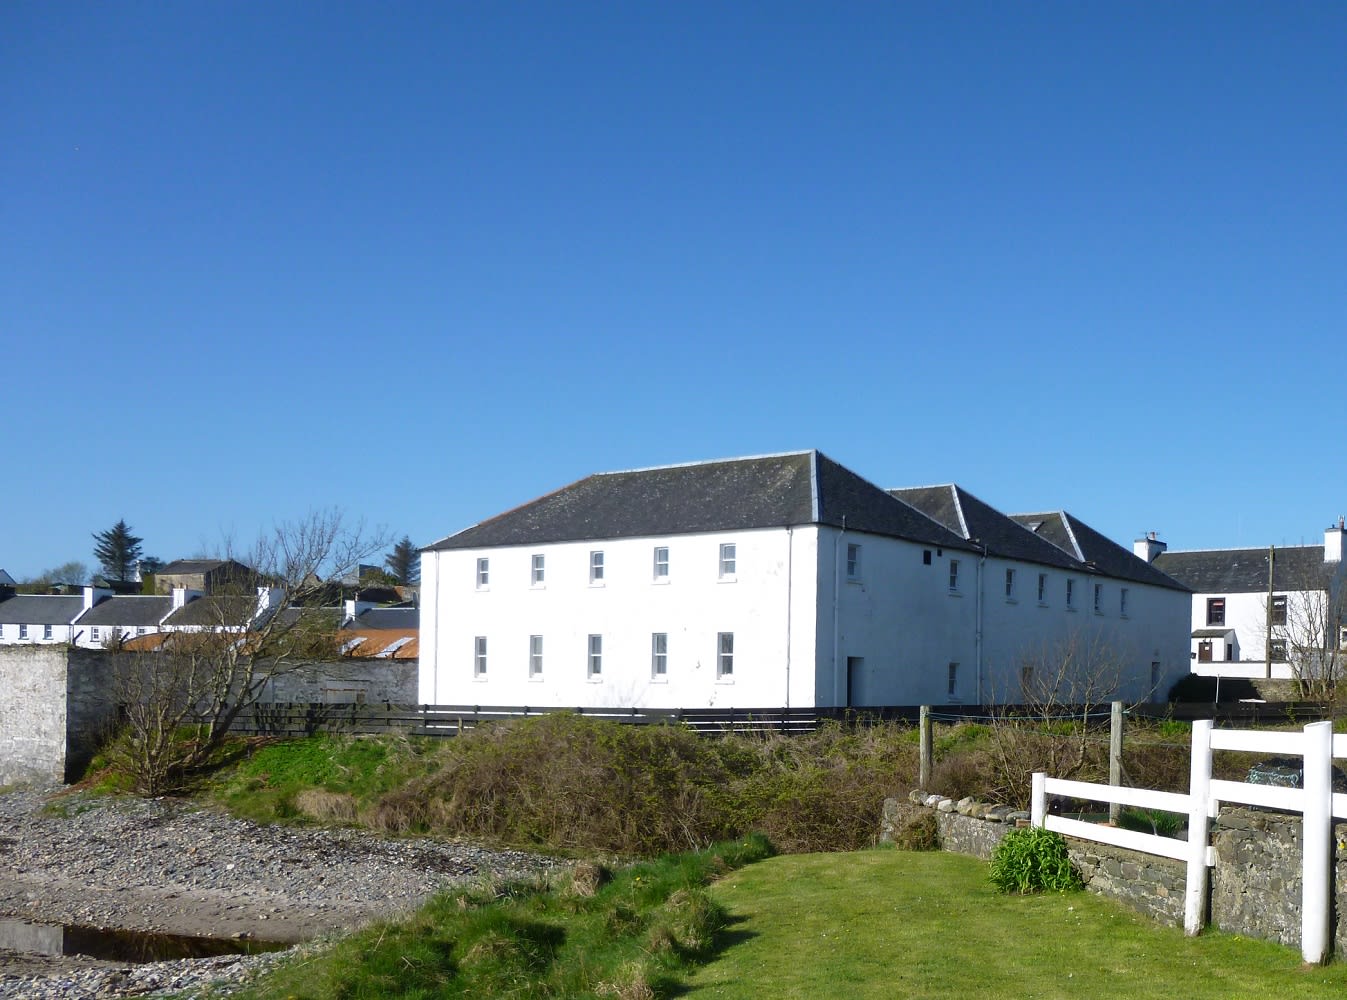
(1317,844)
(1197,886)
(1038,804)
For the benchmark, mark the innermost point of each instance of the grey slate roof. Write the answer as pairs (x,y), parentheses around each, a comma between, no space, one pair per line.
(771,491)
(231,612)
(189,566)
(1093,552)
(962,512)
(127,610)
(40,609)
(1244,571)
(396,618)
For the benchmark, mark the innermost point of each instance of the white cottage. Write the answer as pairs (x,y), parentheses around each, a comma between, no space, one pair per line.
(1260,611)
(781,580)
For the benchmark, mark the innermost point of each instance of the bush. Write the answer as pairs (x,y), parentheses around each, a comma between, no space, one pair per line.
(1033,860)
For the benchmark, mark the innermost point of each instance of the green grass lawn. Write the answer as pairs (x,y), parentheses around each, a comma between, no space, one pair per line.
(893,924)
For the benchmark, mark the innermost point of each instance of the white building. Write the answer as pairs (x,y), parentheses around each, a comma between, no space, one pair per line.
(779,581)
(1238,605)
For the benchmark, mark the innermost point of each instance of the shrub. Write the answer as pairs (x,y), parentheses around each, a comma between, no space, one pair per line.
(1033,860)
(918,832)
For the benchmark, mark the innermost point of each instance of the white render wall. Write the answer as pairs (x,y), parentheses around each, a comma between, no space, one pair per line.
(769,606)
(36,637)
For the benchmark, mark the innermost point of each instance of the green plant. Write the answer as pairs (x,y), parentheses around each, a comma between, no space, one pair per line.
(1033,859)
(1156,821)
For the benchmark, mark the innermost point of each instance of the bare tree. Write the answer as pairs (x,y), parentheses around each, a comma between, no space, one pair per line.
(1307,631)
(1062,687)
(180,701)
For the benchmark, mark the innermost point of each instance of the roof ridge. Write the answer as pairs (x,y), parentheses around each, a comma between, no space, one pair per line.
(958,509)
(1240,548)
(1071,534)
(706,461)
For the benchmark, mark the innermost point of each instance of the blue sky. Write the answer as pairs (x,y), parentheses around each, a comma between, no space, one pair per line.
(424,262)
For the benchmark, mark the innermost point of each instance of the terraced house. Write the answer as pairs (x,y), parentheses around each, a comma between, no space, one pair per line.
(783,581)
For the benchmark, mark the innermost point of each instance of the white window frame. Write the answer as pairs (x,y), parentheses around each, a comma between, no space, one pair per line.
(1010,584)
(596,568)
(659,656)
(537,570)
(483,573)
(729,560)
(46,631)
(479,657)
(535,657)
(95,634)
(954,576)
(1122,603)
(1070,593)
(853,562)
(724,656)
(23,631)
(660,569)
(1043,589)
(1099,598)
(952,682)
(594,658)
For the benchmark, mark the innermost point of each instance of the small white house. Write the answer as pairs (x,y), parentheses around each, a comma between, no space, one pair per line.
(121,616)
(45,618)
(1259,612)
(780,581)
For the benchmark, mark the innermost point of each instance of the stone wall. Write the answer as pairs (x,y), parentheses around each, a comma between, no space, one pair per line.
(369,681)
(1255,884)
(32,713)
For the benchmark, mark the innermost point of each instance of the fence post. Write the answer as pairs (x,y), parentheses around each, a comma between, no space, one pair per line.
(1115,733)
(1317,844)
(927,744)
(1197,887)
(1038,802)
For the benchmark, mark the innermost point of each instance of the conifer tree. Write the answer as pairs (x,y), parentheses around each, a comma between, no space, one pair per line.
(404,562)
(117,550)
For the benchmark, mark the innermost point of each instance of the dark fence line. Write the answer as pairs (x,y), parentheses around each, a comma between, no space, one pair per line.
(308,718)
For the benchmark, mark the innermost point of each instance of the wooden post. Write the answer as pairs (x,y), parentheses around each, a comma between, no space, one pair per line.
(1316,888)
(927,744)
(1115,733)
(1198,886)
(1038,800)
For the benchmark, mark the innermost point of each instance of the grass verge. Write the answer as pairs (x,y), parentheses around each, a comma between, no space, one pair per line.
(632,934)
(891,924)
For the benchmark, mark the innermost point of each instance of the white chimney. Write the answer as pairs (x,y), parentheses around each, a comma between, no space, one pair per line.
(92,595)
(1149,547)
(181,595)
(1333,541)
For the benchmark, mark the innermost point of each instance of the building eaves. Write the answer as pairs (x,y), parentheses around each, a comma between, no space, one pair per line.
(1245,571)
(131,611)
(40,609)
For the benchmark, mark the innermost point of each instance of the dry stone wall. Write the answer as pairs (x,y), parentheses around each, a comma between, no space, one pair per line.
(1255,887)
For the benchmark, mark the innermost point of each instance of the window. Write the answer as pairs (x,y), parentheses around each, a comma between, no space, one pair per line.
(596,569)
(2,631)
(23,631)
(539,571)
(1122,603)
(1042,588)
(952,682)
(95,634)
(1278,609)
(483,573)
(140,630)
(926,557)
(1277,650)
(953,575)
(595,657)
(1010,585)
(46,631)
(661,564)
(728,561)
(659,655)
(479,656)
(1099,598)
(1215,610)
(724,655)
(853,562)
(1026,681)
(1070,594)
(535,656)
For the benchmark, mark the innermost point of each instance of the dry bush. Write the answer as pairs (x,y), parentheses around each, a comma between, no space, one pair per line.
(587,878)
(326,807)
(917,831)
(967,772)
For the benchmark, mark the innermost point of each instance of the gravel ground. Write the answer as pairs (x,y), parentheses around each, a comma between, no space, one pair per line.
(171,867)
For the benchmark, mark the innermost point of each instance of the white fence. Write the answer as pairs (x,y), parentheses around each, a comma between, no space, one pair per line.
(1315,801)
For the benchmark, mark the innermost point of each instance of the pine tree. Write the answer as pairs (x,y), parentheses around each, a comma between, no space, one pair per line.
(117,550)
(404,562)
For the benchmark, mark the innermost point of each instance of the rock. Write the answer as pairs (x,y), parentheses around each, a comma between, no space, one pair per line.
(945,805)
(964,807)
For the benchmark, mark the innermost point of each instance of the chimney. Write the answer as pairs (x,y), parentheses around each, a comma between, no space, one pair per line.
(181,595)
(1149,547)
(93,595)
(1333,541)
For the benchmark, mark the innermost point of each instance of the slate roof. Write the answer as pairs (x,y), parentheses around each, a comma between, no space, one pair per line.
(1244,571)
(770,491)
(387,618)
(232,612)
(962,512)
(130,611)
(1093,552)
(189,566)
(40,609)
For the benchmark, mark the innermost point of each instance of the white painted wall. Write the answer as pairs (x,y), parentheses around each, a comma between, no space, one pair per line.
(768,605)
(36,635)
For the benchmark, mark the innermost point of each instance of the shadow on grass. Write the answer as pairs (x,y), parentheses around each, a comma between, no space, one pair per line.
(725,939)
